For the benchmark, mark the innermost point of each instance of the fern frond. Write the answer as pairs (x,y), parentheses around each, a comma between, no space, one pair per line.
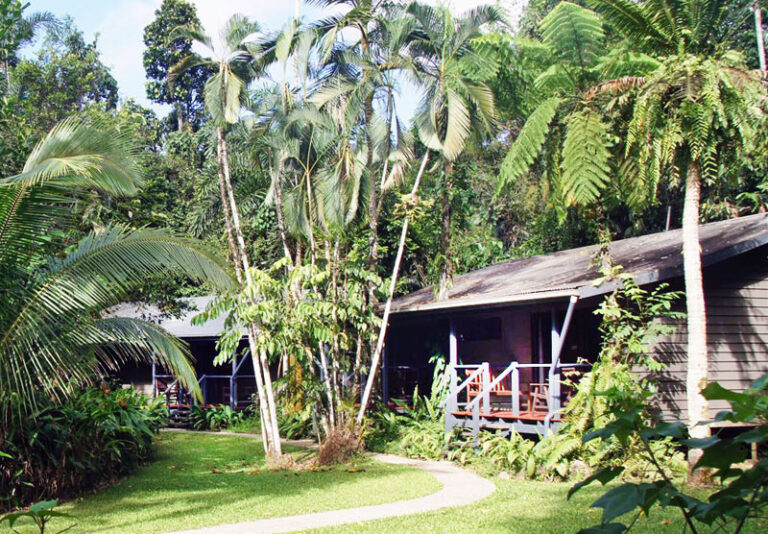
(586,169)
(573,32)
(528,144)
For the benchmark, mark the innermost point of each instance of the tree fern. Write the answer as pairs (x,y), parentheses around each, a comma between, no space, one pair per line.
(529,141)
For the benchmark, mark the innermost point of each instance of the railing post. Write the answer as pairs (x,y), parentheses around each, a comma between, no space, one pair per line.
(154,379)
(232,385)
(486,382)
(515,383)
(452,403)
(554,388)
(475,422)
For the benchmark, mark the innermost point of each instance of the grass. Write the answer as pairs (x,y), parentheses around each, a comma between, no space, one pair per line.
(206,479)
(522,507)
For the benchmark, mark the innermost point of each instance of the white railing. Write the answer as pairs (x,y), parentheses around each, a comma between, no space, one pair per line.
(488,387)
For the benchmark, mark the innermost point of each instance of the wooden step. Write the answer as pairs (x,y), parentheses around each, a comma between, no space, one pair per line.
(509,416)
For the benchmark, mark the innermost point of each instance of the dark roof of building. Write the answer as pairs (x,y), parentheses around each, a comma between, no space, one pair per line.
(560,275)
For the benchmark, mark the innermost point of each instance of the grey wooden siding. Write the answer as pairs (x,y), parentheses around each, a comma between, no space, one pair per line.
(736,293)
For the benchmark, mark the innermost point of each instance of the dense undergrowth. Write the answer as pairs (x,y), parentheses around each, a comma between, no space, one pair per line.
(70,448)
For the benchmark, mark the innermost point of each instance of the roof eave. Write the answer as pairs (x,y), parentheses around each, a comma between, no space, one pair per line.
(524,298)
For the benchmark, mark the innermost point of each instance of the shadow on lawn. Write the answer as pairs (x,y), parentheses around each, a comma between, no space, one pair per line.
(212,484)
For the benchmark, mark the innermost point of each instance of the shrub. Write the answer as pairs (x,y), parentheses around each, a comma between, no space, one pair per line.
(742,491)
(215,417)
(72,447)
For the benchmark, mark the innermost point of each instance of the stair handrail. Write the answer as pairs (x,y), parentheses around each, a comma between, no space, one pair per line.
(480,368)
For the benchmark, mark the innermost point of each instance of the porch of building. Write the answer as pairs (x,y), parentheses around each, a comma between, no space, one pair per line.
(230,384)
(510,368)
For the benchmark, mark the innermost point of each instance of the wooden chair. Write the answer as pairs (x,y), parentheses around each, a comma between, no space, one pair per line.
(475,386)
(538,398)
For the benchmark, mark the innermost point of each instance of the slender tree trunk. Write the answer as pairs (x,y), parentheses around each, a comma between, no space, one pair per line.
(697,369)
(311,219)
(376,356)
(179,117)
(358,366)
(336,353)
(265,434)
(228,216)
(260,362)
(446,267)
(373,194)
(759,36)
(280,213)
(327,385)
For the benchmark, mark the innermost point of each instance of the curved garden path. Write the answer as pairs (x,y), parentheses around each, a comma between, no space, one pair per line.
(460,487)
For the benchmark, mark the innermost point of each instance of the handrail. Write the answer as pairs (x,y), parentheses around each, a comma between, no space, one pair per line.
(469,379)
(509,369)
(494,383)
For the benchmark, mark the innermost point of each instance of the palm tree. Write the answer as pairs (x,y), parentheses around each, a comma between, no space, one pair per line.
(358,74)
(53,334)
(455,103)
(441,52)
(18,30)
(224,94)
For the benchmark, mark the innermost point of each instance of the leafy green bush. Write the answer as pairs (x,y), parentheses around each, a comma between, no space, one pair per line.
(742,492)
(72,447)
(215,418)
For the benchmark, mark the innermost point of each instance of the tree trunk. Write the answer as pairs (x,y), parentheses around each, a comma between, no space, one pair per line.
(697,369)
(376,356)
(179,117)
(373,194)
(280,214)
(261,364)
(759,36)
(446,267)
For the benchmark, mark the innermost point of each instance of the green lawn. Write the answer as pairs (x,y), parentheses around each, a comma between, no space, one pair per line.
(520,507)
(207,479)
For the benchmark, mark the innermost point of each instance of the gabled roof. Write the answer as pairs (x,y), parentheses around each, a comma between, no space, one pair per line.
(557,276)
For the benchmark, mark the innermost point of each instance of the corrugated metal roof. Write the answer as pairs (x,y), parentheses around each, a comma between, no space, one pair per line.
(179,327)
(647,258)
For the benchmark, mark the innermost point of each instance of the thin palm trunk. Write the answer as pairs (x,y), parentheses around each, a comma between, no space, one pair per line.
(446,270)
(281,213)
(697,369)
(260,362)
(373,195)
(376,356)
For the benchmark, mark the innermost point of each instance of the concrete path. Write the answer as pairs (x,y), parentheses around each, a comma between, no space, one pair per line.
(460,487)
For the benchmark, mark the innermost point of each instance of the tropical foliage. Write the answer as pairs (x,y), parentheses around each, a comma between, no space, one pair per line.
(69,448)
(54,337)
(291,151)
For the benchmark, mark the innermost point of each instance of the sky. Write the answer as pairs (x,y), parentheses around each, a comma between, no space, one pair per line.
(119,25)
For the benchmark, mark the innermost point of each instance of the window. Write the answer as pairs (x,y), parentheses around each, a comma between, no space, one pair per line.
(479,329)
